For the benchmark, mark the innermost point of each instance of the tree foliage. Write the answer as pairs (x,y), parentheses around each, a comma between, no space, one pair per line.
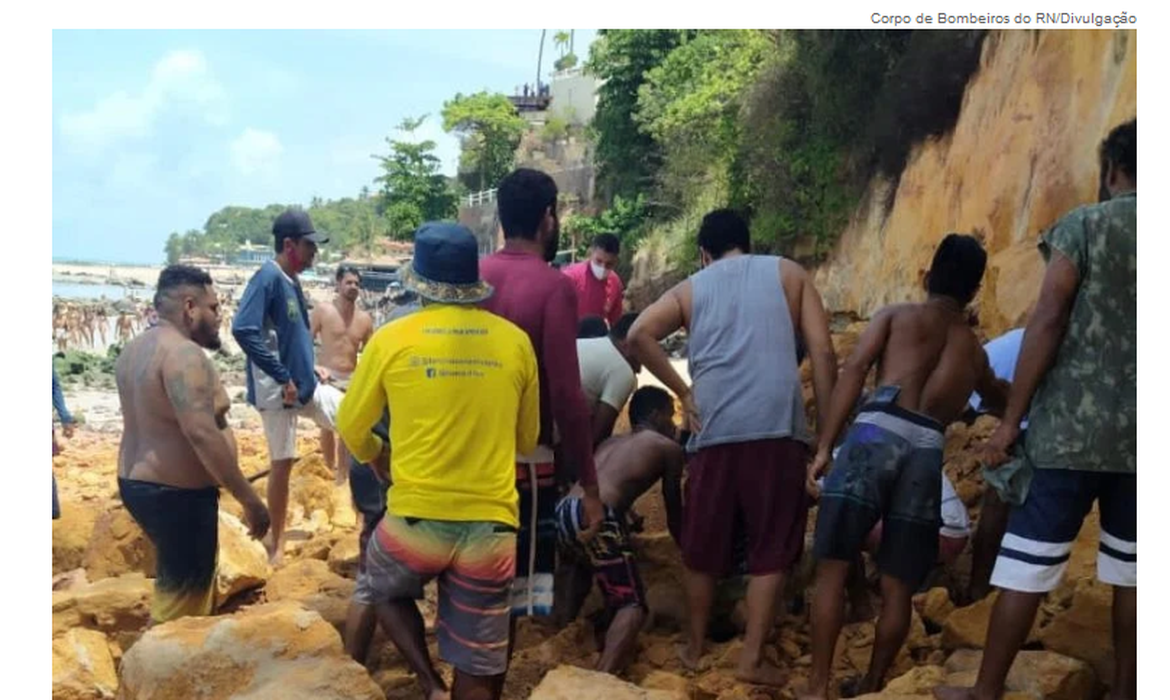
(489,131)
(413,189)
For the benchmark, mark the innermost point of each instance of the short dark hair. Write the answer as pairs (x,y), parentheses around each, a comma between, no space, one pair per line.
(175,277)
(1120,149)
(622,328)
(724,230)
(343,270)
(957,268)
(646,401)
(607,242)
(522,199)
(592,327)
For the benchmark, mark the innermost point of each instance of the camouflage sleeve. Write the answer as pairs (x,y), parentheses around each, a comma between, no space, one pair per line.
(1068,238)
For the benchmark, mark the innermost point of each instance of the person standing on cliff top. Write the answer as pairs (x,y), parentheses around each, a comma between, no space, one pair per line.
(542,301)
(272,328)
(344,330)
(889,468)
(742,313)
(177,448)
(1077,382)
(599,289)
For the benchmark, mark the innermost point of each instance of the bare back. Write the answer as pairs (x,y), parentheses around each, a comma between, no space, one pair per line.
(154,447)
(932,354)
(628,465)
(341,338)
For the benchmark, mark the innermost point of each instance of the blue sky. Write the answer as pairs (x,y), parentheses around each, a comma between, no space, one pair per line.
(155,130)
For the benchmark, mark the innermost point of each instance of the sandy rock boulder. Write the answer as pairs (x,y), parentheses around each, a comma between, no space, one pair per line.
(966,628)
(1042,675)
(1084,631)
(83,668)
(71,535)
(118,546)
(572,683)
(316,587)
(343,558)
(279,650)
(118,607)
(934,606)
(243,562)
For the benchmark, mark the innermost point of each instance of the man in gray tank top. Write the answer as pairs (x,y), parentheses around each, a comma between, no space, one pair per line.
(745,410)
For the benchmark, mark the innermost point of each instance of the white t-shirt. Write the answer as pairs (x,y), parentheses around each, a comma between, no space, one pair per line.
(605,374)
(1003,353)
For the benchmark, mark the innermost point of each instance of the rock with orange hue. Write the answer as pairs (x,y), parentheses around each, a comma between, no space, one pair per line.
(311,582)
(572,683)
(278,650)
(243,562)
(71,535)
(118,607)
(966,628)
(1042,675)
(1085,630)
(83,668)
(343,557)
(935,605)
(118,546)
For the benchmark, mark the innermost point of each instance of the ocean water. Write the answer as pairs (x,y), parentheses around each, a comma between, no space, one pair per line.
(73,290)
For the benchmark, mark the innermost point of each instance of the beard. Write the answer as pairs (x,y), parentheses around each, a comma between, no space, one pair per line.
(206,335)
(351,294)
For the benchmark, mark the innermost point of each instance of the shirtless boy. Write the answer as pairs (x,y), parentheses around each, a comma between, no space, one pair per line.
(177,448)
(627,466)
(890,465)
(343,330)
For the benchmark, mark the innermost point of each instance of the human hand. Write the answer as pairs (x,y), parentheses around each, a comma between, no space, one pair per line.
(67,430)
(817,469)
(290,394)
(690,412)
(381,464)
(997,450)
(323,374)
(256,515)
(594,514)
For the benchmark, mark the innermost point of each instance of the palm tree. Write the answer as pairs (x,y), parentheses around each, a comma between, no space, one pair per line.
(561,40)
(540,59)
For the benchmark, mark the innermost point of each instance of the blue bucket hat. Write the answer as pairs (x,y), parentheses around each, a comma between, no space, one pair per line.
(445,268)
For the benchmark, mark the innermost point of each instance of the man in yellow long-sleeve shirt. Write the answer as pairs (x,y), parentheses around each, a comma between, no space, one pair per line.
(463,396)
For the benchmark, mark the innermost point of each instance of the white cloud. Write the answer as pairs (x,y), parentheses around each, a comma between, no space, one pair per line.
(256,152)
(181,80)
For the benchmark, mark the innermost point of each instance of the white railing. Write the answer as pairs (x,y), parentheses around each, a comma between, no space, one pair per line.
(481,197)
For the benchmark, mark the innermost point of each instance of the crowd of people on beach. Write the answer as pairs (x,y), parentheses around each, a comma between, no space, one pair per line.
(475,429)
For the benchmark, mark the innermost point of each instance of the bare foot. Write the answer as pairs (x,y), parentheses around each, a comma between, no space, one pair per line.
(950,692)
(689,659)
(763,673)
(275,555)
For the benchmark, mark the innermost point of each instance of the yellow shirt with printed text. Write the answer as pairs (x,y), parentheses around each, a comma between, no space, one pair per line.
(462,388)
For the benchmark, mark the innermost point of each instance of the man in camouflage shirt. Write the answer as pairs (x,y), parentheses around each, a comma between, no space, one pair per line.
(1078,372)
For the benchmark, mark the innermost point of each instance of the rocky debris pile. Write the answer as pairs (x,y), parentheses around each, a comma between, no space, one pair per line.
(279,630)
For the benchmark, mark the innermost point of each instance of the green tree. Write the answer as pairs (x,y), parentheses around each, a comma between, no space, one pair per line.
(174,247)
(627,219)
(413,190)
(627,157)
(489,130)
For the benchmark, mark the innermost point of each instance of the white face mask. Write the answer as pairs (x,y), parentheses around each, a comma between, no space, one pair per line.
(599,271)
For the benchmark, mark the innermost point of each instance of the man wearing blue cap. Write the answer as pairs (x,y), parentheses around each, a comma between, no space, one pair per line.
(272,327)
(462,391)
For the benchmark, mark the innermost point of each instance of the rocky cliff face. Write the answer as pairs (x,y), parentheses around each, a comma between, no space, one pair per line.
(1023,152)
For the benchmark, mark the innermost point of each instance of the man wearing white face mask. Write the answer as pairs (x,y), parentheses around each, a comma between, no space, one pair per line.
(599,289)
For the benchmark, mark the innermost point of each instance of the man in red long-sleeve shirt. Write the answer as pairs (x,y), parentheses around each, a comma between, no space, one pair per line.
(542,301)
(599,289)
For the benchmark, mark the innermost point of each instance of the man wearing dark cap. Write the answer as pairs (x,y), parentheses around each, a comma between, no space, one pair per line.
(272,327)
(461,387)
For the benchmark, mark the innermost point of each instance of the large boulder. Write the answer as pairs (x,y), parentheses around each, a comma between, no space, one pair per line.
(243,562)
(278,650)
(343,558)
(966,628)
(311,582)
(1084,631)
(83,668)
(71,535)
(572,683)
(118,546)
(1043,675)
(118,607)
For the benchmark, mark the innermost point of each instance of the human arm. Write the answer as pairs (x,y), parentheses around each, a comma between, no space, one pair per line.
(67,420)
(248,329)
(192,386)
(659,320)
(818,345)
(619,384)
(614,291)
(363,405)
(528,420)
(569,407)
(672,489)
(993,392)
(1041,344)
(847,390)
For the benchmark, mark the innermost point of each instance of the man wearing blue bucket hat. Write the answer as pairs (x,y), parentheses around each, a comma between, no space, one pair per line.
(462,391)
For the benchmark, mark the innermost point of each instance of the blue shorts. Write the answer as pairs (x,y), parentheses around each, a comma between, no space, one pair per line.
(1035,551)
